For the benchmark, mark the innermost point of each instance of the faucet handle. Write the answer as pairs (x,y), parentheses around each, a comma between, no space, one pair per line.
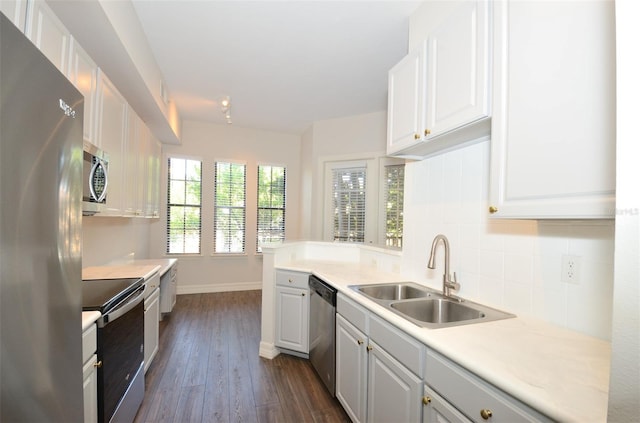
(453,283)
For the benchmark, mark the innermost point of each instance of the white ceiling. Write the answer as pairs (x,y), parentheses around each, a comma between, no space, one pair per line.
(285,64)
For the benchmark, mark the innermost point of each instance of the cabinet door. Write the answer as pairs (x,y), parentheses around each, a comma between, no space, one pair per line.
(406,102)
(151,327)
(143,153)
(292,319)
(131,143)
(437,410)
(351,369)
(46,31)
(458,64)
(83,74)
(153,178)
(553,125)
(16,11)
(90,390)
(112,112)
(394,393)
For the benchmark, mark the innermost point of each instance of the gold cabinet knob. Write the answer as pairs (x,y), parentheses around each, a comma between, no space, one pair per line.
(303,294)
(426,400)
(416,136)
(427,131)
(290,280)
(369,347)
(360,341)
(493,209)
(486,414)
(97,364)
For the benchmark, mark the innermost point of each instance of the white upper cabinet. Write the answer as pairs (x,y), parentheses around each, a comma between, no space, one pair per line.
(439,95)
(553,125)
(16,11)
(83,74)
(112,113)
(46,31)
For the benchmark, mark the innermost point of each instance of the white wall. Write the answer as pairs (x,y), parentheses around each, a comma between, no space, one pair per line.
(210,142)
(110,240)
(624,390)
(513,265)
(339,139)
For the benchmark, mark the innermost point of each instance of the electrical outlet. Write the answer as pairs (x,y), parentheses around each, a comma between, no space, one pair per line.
(570,269)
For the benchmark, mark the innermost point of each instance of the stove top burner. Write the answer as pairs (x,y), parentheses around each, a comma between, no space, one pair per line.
(104,294)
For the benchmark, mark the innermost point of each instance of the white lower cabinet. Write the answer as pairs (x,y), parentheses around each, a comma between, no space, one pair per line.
(436,409)
(372,384)
(292,311)
(151,325)
(90,374)
(476,399)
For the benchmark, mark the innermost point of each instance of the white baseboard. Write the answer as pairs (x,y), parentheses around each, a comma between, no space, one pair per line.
(268,350)
(225,287)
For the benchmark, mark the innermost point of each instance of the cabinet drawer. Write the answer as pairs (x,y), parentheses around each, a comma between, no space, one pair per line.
(471,395)
(354,313)
(89,342)
(292,279)
(401,346)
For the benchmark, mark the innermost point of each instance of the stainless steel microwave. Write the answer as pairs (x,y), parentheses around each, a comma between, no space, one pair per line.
(95,177)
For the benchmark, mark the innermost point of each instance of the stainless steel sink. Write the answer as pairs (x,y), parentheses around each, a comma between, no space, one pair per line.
(437,311)
(427,307)
(394,291)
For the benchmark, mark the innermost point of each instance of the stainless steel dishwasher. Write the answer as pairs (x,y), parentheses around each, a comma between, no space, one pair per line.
(322,331)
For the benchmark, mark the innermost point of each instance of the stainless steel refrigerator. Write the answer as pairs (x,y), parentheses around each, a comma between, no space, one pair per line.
(41,117)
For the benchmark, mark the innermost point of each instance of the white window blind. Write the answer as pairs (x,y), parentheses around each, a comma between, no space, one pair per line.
(229,208)
(184,200)
(349,202)
(271,204)
(394,201)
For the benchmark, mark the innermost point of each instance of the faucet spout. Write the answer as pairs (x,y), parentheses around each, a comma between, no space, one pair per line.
(447,282)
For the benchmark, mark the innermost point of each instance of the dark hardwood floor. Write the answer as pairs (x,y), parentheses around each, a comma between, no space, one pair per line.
(208,369)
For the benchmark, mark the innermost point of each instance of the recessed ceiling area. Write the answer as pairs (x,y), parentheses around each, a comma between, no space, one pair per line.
(284,64)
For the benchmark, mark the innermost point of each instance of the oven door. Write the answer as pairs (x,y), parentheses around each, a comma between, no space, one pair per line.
(121,351)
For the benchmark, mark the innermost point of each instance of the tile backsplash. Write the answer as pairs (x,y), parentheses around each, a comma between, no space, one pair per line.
(515,265)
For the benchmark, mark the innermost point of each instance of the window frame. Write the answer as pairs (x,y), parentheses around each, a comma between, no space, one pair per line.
(258,208)
(169,205)
(382,226)
(216,207)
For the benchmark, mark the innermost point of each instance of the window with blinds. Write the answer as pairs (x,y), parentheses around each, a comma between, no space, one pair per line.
(229,208)
(349,195)
(271,204)
(394,200)
(184,202)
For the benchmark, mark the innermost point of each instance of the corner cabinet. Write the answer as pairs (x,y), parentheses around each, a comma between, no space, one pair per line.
(292,312)
(439,95)
(553,125)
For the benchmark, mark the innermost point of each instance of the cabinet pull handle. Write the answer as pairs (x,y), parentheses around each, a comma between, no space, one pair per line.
(290,280)
(303,294)
(427,131)
(369,348)
(360,341)
(97,364)
(485,413)
(493,209)
(426,400)
(416,136)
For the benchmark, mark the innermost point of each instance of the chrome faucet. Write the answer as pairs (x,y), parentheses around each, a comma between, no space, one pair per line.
(447,283)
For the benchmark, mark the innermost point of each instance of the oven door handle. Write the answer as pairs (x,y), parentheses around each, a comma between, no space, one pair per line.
(121,309)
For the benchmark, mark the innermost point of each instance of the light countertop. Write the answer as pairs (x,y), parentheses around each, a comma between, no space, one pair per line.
(122,271)
(561,373)
(165,264)
(89,318)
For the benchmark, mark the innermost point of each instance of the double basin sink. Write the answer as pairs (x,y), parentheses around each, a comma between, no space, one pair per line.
(427,307)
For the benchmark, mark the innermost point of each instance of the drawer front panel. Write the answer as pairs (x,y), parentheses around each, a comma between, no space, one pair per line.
(292,279)
(471,395)
(400,345)
(89,342)
(354,313)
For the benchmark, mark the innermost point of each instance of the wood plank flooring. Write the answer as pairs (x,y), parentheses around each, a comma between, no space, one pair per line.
(208,369)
